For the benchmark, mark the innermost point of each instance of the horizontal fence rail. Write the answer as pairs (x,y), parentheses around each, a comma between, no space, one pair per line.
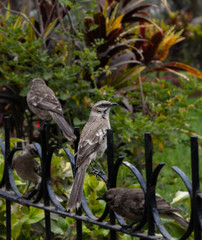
(10,192)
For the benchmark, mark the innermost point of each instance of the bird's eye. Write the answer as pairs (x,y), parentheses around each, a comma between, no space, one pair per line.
(105,105)
(99,112)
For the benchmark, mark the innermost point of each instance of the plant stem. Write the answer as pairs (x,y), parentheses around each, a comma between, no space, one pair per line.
(40,18)
(142,95)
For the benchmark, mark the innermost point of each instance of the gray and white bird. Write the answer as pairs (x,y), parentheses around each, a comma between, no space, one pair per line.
(129,203)
(43,102)
(27,167)
(92,145)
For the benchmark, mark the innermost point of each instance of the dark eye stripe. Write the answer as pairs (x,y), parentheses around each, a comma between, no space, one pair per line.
(104,105)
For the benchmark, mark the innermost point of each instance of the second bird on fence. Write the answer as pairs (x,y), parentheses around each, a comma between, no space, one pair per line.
(27,167)
(92,145)
(43,102)
(130,202)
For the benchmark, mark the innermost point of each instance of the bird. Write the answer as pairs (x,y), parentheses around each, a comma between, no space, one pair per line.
(92,145)
(27,167)
(42,101)
(129,203)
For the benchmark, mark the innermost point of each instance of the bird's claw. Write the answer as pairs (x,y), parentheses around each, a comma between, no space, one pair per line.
(130,228)
(127,226)
(94,172)
(97,172)
(32,193)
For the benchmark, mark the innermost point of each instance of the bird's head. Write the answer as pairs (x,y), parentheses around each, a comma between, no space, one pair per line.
(30,148)
(109,196)
(102,108)
(36,82)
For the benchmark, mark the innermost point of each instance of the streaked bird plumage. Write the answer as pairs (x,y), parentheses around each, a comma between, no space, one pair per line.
(43,102)
(92,145)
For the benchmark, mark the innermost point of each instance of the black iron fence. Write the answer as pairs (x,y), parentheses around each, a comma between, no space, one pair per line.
(10,192)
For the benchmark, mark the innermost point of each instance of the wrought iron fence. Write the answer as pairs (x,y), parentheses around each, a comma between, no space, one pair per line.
(151,216)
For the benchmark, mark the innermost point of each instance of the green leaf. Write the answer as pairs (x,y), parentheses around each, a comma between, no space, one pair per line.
(16,226)
(59,227)
(78,122)
(48,74)
(24,92)
(67,2)
(62,223)
(35,215)
(50,27)
(65,96)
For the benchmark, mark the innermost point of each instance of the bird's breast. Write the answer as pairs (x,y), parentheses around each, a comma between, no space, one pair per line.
(102,147)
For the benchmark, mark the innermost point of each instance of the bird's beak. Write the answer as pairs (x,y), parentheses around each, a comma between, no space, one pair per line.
(100,198)
(113,104)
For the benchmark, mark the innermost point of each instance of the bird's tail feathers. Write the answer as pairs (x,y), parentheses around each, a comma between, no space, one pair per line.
(77,188)
(178,219)
(64,126)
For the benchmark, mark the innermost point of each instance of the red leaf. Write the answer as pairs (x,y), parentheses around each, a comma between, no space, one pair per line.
(142,30)
(98,32)
(114,34)
(109,2)
(131,6)
(152,47)
(100,21)
(136,10)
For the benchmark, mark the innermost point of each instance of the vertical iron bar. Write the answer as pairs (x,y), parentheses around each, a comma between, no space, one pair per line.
(8,219)
(195,185)
(78,211)
(110,155)
(7,148)
(76,143)
(44,181)
(79,225)
(148,159)
(7,152)
(110,164)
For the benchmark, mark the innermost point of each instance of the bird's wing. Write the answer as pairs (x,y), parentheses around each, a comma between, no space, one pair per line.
(37,166)
(128,205)
(91,139)
(134,199)
(44,98)
(163,206)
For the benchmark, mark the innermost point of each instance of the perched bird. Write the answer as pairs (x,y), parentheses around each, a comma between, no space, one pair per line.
(129,203)
(43,102)
(92,145)
(27,167)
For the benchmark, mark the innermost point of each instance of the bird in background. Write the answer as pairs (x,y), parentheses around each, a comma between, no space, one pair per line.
(27,167)
(43,102)
(92,145)
(129,203)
